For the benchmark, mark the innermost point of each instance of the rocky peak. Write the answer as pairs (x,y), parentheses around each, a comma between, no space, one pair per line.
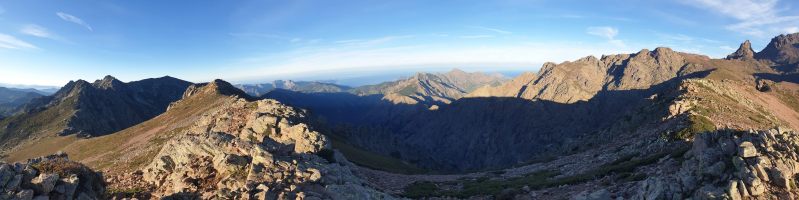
(783,49)
(216,86)
(284,84)
(108,82)
(744,52)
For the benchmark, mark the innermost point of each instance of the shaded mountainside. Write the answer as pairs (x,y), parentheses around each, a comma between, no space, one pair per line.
(258,90)
(91,109)
(555,112)
(783,50)
(570,100)
(132,147)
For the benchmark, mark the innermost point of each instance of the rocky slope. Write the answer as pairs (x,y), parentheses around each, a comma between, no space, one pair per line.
(582,79)
(254,150)
(258,90)
(91,109)
(50,177)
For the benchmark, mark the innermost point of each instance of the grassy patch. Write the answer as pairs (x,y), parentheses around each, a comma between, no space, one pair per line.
(408,90)
(373,160)
(697,124)
(125,193)
(624,166)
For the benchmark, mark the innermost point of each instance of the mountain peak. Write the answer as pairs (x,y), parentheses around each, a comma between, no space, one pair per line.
(217,86)
(783,49)
(456,71)
(107,82)
(744,52)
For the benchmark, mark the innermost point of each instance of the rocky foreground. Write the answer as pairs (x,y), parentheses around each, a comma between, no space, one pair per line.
(51,177)
(252,150)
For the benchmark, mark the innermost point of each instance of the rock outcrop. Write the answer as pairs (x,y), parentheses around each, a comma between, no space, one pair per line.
(50,177)
(254,150)
(732,165)
(744,52)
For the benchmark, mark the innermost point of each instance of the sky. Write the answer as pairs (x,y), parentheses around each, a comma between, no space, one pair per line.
(47,42)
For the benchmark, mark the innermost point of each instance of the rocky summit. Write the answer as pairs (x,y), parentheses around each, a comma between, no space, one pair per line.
(254,150)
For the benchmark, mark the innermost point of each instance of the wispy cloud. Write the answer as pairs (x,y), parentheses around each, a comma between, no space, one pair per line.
(73,19)
(37,31)
(604,31)
(675,37)
(259,35)
(292,40)
(608,33)
(496,30)
(727,48)
(373,41)
(760,18)
(11,42)
(476,36)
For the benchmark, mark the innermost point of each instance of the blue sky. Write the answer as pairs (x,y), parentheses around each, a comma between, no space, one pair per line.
(52,42)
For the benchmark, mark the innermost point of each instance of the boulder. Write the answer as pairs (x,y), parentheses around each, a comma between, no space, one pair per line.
(747,150)
(25,195)
(44,183)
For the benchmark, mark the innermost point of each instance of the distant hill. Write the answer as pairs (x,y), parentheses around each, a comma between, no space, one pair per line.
(431,88)
(41,89)
(11,99)
(257,90)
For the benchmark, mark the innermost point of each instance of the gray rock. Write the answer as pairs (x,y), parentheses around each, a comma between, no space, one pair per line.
(747,150)
(733,191)
(25,195)
(41,197)
(14,183)
(68,186)
(44,183)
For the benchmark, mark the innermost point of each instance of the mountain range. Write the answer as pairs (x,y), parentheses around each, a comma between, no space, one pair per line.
(654,124)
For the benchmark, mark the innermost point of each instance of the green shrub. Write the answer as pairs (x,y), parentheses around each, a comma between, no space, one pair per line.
(697,124)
